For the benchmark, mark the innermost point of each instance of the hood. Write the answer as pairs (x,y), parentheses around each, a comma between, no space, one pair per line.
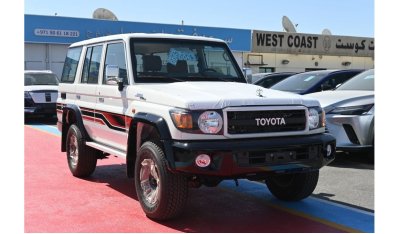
(30,88)
(216,95)
(338,98)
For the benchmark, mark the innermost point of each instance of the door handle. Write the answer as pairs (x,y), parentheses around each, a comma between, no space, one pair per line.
(78,96)
(101,99)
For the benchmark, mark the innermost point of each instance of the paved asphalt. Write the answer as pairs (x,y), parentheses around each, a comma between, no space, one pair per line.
(348,180)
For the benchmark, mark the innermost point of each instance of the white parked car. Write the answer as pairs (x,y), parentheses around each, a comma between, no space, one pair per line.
(41,90)
(350,113)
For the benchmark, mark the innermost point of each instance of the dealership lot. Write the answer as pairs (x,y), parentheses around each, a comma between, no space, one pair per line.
(55,201)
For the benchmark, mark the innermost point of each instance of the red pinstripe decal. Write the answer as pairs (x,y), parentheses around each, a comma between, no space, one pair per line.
(111,118)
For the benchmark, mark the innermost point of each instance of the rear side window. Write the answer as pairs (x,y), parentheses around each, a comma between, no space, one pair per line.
(91,67)
(71,65)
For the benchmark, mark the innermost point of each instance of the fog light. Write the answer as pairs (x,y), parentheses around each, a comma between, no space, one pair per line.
(328,150)
(203,160)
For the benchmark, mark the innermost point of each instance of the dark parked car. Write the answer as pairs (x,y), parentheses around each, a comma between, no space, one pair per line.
(315,81)
(266,80)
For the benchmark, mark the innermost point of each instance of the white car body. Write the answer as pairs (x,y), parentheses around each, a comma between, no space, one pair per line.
(40,99)
(353,132)
(179,107)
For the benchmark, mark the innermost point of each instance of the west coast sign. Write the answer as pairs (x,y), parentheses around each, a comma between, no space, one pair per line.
(298,43)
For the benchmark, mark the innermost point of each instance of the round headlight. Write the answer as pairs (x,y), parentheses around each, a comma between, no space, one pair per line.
(210,122)
(313,118)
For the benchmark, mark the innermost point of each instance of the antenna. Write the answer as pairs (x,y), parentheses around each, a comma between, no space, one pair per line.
(102,13)
(326,32)
(288,25)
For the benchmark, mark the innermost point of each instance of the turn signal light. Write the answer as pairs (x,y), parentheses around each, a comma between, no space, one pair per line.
(182,120)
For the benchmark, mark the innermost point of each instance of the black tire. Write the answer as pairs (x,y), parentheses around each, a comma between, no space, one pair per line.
(81,158)
(170,190)
(292,187)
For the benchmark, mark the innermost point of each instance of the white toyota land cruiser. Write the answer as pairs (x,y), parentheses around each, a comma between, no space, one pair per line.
(179,110)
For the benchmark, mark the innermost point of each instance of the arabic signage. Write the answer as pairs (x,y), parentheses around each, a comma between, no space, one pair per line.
(298,43)
(66,30)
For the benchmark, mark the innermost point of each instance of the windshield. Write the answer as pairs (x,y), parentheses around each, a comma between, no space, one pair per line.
(362,81)
(299,82)
(41,79)
(163,60)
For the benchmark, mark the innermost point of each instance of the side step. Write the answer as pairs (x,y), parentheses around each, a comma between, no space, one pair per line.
(107,149)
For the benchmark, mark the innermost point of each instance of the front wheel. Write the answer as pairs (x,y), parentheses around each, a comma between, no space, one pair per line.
(292,187)
(161,194)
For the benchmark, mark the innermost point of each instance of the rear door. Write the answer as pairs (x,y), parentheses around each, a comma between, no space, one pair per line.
(85,93)
(111,126)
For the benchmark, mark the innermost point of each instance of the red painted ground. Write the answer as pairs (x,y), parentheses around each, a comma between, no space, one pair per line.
(55,201)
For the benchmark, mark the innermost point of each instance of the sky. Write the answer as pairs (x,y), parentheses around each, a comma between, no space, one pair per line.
(341,17)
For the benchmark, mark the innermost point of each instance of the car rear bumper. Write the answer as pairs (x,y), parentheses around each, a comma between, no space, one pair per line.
(247,157)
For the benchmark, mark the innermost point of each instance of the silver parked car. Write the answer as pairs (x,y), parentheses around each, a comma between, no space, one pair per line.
(350,113)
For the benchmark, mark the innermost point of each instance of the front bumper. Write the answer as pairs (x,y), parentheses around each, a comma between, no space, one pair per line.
(352,132)
(248,157)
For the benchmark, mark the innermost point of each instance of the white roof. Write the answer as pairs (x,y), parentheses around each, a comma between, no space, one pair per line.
(127,36)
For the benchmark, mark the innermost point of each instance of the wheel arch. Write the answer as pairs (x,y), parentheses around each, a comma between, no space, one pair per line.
(144,127)
(71,115)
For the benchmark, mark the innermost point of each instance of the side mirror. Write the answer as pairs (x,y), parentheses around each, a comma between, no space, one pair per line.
(248,74)
(112,76)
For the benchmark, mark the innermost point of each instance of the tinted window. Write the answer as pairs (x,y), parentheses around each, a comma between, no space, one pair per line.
(71,65)
(300,82)
(115,55)
(338,78)
(269,81)
(40,79)
(362,81)
(91,67)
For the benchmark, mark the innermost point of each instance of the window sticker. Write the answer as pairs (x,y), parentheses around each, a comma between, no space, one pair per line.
(309,78)
(174,55)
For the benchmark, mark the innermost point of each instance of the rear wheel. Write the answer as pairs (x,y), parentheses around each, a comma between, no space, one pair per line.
(292,187)
(81,159)
(161,194)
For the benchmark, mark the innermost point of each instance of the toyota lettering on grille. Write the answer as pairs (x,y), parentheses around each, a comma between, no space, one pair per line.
(270,121)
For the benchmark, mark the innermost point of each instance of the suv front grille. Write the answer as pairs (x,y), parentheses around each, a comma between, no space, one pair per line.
(265,121)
